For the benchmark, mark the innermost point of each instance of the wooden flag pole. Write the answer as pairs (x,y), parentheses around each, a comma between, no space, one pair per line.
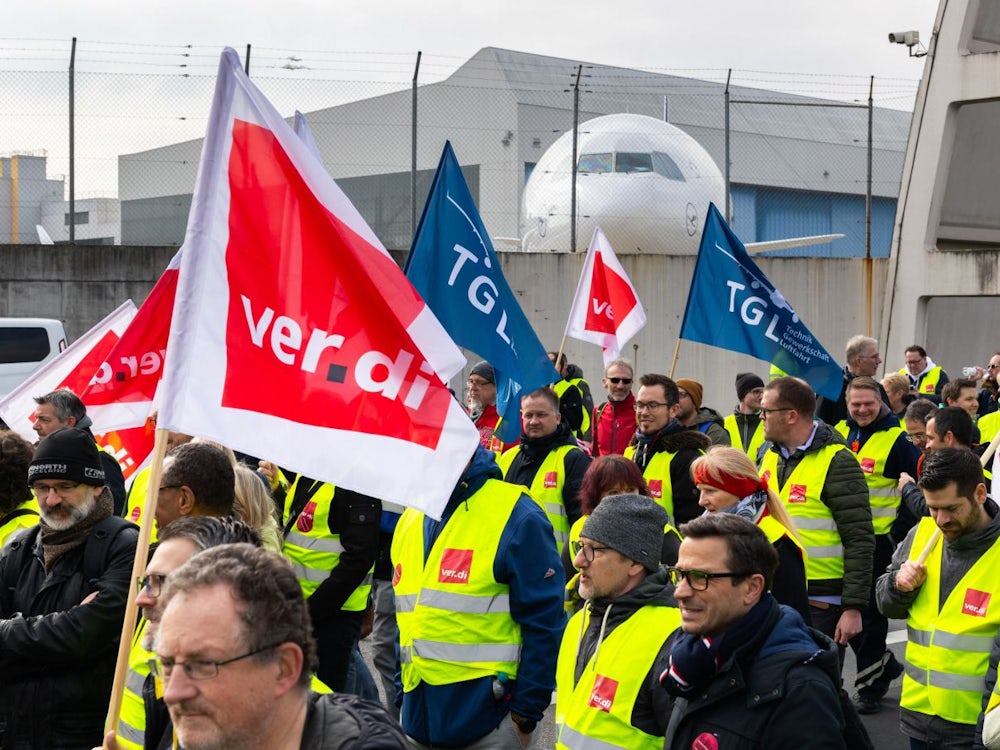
(673,365)
(138,566)
(983,460)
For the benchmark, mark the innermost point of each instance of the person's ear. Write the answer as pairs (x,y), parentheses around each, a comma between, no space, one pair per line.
(290,663)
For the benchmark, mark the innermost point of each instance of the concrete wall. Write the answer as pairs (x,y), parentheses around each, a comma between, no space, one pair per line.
(76,284)
(82,284)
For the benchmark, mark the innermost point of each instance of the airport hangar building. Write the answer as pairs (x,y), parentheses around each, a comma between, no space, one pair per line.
(799,166)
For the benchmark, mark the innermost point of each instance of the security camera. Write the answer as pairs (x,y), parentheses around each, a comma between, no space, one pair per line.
(909,38)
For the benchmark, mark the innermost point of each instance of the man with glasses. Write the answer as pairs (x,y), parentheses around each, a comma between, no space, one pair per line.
(548,462)
(823,487)
(143,720)
(862,358)
(926,378)
(236,657)
(198,480)
(745,671)
(481,401)
(744,425)
(614,420)
(664,449)
(63,589)
(606,688)
(694,416)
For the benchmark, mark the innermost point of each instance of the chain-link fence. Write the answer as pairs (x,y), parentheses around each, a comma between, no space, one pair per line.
(137,113)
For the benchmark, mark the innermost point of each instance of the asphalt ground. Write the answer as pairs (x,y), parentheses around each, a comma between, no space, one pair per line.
(883,726)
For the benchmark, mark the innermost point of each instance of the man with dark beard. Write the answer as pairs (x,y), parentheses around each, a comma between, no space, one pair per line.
(63,589)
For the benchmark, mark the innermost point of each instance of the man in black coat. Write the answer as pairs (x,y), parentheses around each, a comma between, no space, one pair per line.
(63,589)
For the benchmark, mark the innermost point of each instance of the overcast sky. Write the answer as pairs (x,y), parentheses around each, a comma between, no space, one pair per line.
(842,38)
(824,49)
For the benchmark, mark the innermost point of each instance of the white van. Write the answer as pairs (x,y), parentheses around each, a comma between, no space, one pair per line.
(25,345)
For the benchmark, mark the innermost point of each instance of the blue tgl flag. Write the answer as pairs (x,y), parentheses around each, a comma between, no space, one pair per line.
(454,268)
(733,306)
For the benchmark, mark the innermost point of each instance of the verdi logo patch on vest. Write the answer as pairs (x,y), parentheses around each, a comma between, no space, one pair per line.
(976,603)
(455,566)
(868,465)
(603,695)
(655,487)
(797,493)
(928,387)
(307,517)
(551,479)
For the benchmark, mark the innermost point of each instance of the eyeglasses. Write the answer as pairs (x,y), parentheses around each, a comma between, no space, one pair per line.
(765,412)
(170,487)
(698,579)
(992,367)
(916,437)
(477,383)
(63,489)
(152,583)
(651,405)
(198,669)
(683,394)
(616,381)
(587,549)
(870,356)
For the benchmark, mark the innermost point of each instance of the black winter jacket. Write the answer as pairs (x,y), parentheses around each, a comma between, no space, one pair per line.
(779,691)
(687,445)
(57,655)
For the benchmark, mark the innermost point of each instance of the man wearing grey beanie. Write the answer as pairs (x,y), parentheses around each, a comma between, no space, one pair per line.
(605,683)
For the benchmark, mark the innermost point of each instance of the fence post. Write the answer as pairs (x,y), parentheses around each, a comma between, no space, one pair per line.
(72,143)
(413,153)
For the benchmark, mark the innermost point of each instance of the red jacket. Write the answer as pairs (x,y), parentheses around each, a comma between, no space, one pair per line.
(614,426)
(486,424)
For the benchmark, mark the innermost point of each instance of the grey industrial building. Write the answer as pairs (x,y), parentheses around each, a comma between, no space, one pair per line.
(795,170)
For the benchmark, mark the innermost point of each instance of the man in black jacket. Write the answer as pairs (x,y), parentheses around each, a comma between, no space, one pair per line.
(63,589)
(746,672)
(235,654)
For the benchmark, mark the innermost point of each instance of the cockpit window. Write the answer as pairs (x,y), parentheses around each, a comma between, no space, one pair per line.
(595,163)
(625,162)
(664,165)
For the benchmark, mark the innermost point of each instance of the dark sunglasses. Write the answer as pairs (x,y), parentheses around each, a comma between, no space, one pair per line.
(616,381)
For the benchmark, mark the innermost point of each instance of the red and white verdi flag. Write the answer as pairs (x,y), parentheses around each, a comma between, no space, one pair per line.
(120,395)
(606,309)
(72,369)
(295,337)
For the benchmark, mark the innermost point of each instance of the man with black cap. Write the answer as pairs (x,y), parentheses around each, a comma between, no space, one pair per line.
(744,425)
(63,589)
(63,408)
(606,693)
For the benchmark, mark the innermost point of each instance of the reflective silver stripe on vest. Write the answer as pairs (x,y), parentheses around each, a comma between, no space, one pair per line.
(555,509)
(128,732)
(919,637)
(883,492)
(467,652)
(406,602)
(578,741)
(978,644)
(815,524)
(964,682)
(134,682)
(314,543)
(309,574)
(917,675)
(832,550)
(881,512)
(473,605)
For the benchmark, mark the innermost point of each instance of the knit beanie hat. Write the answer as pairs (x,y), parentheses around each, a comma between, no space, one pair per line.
(693,389)
(67,454)
(746,382)
(630,524)
(484,370)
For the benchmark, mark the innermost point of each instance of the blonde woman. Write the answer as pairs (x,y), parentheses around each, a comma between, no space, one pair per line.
(256,509)
(728,482)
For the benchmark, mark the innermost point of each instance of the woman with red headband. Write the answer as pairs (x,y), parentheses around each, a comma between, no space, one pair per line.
(729,483)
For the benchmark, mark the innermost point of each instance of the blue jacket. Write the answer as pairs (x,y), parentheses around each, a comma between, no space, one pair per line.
(457,714)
